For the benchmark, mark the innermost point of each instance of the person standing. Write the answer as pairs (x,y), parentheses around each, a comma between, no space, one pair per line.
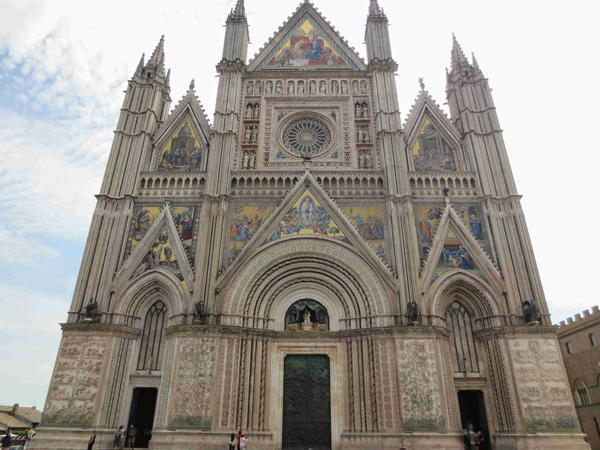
(6,439)
(243,442)
(131,433)
(239,436)
(92,440)
(232,442)
(479,439)
(119,433)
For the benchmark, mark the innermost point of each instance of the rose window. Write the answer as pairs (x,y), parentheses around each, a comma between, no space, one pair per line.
(306,137)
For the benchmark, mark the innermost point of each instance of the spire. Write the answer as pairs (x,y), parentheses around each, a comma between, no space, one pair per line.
(158,56)
(458,57)
(476,68)
(239,10)
(140,66)
(374,10)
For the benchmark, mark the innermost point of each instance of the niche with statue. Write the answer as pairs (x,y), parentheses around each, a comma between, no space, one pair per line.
(307,315)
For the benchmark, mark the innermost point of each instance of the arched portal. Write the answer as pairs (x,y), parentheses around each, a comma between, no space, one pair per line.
(348,286)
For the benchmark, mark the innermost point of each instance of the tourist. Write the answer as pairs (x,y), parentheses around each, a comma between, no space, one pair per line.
(119,433)
(479,438)
(131,433)
(6,439)
(243,441)
(232,442)
(239,436)
(92,440)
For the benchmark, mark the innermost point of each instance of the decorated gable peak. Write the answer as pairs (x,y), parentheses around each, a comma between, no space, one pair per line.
(306,42)
(433,142)
(182,142)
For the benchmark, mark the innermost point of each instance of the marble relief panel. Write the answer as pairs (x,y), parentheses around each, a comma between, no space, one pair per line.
(193,383)
(419,385)
(545,397)
(74,385)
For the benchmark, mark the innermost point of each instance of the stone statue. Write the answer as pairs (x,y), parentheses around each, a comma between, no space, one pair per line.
(91,310)
(200,315)
(357,110)
(252,161)
(256,114)
(344,87)
(245,161)
(335,89)
(365,110)
(249,111)
(258,87)
(300,87)
(413,311)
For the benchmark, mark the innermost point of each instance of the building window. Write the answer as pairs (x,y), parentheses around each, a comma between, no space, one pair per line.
(581,396)
(152,337)
(462,344)
(593,339)
(569,348)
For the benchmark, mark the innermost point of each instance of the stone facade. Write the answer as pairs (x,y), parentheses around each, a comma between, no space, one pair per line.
(308,220)
(579,347)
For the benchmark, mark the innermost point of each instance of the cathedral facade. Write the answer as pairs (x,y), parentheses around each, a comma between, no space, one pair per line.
(307,268)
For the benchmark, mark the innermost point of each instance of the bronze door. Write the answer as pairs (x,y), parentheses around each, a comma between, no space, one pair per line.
(306,403)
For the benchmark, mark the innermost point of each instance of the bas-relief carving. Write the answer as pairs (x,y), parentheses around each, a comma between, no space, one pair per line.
(387,381)
(74,385)
(194,384)
(545,397)
(419,385)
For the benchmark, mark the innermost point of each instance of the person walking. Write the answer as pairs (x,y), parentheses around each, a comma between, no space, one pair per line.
(232,442)
(92,440)
(243,442)
(122,437)
(6,440)
(479,439)
(131,433)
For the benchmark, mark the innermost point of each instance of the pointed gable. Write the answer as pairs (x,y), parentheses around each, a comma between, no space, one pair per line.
(161,238)
(307,211)
(306,42)
(450,239)
(433,142)
(307,217)
(182,142)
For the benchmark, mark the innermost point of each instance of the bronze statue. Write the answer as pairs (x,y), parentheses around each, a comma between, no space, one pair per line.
(91,310)
(413,311)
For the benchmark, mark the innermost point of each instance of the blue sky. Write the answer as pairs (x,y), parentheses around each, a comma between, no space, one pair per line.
(64,66)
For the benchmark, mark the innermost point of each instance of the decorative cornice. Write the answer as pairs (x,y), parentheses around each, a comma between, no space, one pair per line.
(231,66)
(518,329)
(100,328)
(271,334)
(383,65)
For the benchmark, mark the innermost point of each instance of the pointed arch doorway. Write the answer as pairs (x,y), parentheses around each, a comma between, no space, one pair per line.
(306,402)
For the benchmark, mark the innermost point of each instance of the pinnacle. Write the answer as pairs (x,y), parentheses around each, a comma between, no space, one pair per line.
(192,85)
(375,10)
(458,56)
(475,63)
(239,10)
(140,66)
(158,56)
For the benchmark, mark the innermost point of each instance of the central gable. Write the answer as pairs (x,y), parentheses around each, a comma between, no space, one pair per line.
(306,42)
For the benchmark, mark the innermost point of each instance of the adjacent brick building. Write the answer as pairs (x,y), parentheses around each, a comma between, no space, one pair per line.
(579,339)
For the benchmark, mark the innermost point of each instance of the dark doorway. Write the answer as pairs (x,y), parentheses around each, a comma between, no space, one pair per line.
(472,412)
(306,403)
(141,415)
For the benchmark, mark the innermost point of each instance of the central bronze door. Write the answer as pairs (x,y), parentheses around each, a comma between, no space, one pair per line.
(306,403)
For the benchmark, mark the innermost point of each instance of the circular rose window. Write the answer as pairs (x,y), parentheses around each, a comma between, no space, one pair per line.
(306,137)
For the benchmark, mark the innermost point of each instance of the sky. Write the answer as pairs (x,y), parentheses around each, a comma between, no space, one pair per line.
(65,64)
